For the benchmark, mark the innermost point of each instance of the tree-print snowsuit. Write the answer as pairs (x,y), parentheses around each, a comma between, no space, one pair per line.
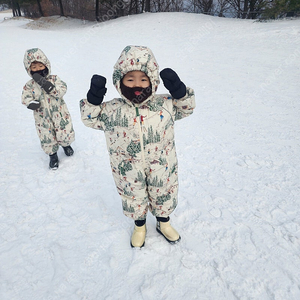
(52,119)
(140,139)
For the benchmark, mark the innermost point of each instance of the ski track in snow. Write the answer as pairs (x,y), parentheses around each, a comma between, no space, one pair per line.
(63,234)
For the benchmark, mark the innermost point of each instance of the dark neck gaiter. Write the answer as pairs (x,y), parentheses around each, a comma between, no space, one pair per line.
(136,95)
(43,72)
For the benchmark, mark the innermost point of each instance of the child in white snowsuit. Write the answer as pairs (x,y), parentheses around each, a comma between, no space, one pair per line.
(139,131)
(44,95)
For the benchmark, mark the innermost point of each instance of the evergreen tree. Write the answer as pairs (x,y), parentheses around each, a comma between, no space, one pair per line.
(63,123)
(145,141)
(156,137)
(162,161)
(281,8)
(54,109)
(133,148)
(173,169)
(47,115)
(156,105)
(45,140)
(124,167)
(155,182)
(103,118)
(117,121)
(150,134)
(125,121)
(128,193)
(141,178)
(127,208)
(162,199)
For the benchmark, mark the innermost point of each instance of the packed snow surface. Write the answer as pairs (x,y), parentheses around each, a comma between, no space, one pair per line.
(63,233)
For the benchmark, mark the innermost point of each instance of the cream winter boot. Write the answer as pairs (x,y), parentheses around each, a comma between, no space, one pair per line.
(170,234)
(138,236)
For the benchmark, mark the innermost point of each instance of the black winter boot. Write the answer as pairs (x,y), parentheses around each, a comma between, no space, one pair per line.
(53,161)
(68,150)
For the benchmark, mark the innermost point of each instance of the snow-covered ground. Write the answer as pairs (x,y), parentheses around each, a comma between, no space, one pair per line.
(63,233)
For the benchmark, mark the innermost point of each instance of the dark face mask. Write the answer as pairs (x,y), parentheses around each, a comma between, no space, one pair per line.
(43,73)
(136,95)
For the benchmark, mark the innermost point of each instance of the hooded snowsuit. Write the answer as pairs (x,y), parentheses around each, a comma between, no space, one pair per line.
(140,138)
(52,119)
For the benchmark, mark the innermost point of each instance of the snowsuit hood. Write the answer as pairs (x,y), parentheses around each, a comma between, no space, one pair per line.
(136,58)
(35,54)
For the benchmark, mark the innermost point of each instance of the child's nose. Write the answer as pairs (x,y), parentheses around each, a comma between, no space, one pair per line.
(138,83)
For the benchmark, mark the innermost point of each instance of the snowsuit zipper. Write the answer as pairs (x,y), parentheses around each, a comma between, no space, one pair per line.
(47,105)
(141,136)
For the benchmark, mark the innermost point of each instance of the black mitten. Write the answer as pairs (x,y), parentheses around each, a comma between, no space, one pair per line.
(97,90)
(33,105)
(47,86)
(173,83)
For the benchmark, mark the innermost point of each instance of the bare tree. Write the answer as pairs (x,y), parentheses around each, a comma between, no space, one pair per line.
(40,7)
(236,7)
(204,6)
(247,9)
(222,7)
(61,8)
(97,11)
(135,5)
(16,8)
(147,6)
(168,5)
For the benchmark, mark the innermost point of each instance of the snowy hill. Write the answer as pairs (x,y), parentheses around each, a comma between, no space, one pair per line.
(63,233)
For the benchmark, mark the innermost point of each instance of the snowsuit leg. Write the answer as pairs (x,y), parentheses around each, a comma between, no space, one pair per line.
(162,182)
(64,131)
(46,132)
(163,190)
(54,131)
(155,189)
(131,186)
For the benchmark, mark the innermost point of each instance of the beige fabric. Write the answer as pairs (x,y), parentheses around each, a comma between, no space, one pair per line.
(138,236)
(52,120)
(140,139)
(168,231)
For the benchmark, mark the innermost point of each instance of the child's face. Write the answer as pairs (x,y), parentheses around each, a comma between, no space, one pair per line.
(136,79)
(37,66)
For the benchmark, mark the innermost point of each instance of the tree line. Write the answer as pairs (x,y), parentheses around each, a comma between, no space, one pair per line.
(103,10)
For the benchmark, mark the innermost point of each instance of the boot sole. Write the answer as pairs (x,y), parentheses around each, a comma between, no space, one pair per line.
(54,169)
(171,242)
(69,154)
(136,246)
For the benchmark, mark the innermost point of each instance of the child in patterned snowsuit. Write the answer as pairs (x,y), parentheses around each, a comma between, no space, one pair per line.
(139,131)
(44,95)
